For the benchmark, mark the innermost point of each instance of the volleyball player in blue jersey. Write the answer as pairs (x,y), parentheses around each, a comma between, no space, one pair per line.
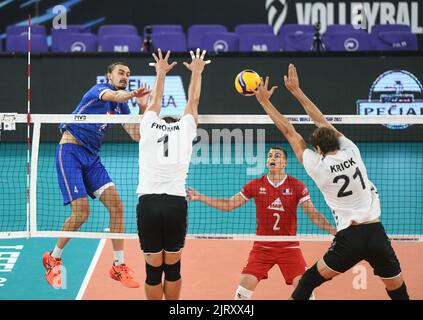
(81,173)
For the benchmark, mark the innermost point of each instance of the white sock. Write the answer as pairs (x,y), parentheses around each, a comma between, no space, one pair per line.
(57,252)
(118,257)
(243,294)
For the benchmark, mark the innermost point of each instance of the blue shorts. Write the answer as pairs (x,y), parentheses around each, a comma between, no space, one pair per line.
(80,173)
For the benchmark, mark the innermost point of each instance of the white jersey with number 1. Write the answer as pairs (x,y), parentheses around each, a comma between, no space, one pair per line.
(164,154)
(342,179)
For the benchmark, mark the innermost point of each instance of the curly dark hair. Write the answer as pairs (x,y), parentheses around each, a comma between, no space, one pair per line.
(325,138)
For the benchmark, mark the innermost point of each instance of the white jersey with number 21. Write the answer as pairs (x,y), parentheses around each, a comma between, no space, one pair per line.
(164,154)
(342,179)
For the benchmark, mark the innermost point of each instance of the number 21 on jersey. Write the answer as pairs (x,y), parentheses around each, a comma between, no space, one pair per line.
(343,192)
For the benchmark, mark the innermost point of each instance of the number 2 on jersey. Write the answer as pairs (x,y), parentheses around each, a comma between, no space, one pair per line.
(342,193)
(278,218)
(165,140)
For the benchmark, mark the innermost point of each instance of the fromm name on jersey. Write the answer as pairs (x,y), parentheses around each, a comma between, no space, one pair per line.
(164,127)
(342,166)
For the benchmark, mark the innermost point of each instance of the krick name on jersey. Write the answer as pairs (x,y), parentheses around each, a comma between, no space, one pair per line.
(164,127)
(342,166)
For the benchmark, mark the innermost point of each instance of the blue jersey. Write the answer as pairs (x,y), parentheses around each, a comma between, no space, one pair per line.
(90,135)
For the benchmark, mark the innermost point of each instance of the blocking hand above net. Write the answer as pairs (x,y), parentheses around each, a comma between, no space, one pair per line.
(194,91)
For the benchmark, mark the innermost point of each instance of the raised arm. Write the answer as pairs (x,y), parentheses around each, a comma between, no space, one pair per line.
(162,68)
(317,218)
(285,127)
(217,203)
(121,96)
(292,83)
(194,91)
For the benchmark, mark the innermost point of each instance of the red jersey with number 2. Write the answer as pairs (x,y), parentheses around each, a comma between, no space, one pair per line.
(276,205)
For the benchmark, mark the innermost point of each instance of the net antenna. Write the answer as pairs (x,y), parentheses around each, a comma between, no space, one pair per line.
(28,137)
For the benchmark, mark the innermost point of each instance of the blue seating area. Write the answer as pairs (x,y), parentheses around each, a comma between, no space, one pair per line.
(346,38)
(212,37)
(296,37)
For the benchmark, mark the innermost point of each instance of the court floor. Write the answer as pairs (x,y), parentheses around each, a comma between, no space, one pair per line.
(210,271)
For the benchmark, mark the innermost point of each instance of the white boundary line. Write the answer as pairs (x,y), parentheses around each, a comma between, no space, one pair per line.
(90,270)
(13,234)
(211,236)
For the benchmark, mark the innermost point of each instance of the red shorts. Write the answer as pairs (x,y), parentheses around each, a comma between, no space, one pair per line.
(289,259)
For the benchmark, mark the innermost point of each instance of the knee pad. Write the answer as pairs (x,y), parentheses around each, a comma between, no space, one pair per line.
(154,275)
(310,280)
(172,271)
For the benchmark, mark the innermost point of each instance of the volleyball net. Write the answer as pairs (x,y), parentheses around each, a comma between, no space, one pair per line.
(229,151)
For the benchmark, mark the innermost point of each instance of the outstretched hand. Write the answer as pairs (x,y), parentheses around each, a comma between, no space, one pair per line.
(197,64)
(142,94)
(162,64)
(262,92)
(292,83)
(142,91)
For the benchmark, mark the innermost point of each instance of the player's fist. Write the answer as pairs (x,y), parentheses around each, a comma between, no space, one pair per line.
(193,195)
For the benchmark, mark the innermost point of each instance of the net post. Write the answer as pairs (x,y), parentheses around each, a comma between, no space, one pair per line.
(33,176)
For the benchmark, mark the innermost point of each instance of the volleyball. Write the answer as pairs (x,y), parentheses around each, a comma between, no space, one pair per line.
(246,82)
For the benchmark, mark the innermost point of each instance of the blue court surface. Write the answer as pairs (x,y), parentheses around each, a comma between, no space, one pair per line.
(22,272)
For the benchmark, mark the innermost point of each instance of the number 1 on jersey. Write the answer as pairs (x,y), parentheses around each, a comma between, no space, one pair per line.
(165,140)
